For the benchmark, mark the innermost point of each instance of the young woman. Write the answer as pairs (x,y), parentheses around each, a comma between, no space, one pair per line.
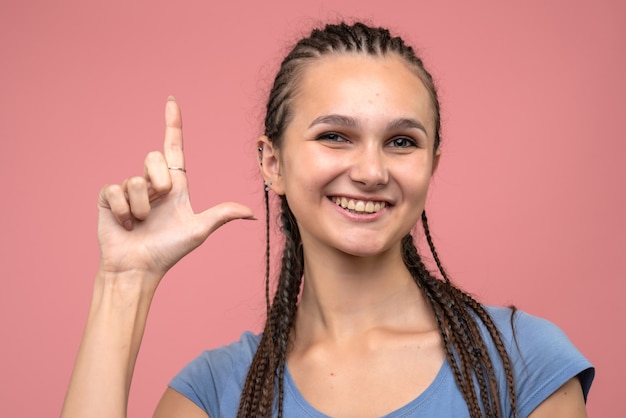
(358,327)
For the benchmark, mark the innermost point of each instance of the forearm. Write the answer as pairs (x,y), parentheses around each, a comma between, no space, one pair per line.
(144,223)
(104,367)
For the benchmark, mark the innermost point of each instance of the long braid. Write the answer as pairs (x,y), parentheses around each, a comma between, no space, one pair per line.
(266,199)
(431,245)
(289,291)
(479,311)
(463,311)
(457,314)
(266,373)
(256,374)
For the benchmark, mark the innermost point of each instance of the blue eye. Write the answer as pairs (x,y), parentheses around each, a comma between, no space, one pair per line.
(402,142)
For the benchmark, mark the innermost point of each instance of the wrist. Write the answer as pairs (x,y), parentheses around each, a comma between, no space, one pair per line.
(125,284)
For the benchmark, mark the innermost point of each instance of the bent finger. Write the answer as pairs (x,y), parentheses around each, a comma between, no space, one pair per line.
(157,175)
(112,197)
(137,191)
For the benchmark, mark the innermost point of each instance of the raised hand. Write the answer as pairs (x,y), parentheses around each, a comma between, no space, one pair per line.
(147,223)
(145,226)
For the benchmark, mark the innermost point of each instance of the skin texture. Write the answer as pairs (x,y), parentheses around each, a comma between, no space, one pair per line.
(336,316)
(351,137)
(173,404)
(145,225)
(568,401)
(340,143)
(359,303)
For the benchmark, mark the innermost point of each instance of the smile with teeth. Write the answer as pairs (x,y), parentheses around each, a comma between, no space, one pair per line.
(358,206)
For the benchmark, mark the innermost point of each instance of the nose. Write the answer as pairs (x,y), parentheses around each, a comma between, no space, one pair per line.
(369,167)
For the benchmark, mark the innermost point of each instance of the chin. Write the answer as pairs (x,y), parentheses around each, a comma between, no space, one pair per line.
(364,249)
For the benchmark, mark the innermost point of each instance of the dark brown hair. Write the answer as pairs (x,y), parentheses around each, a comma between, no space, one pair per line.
(457,313)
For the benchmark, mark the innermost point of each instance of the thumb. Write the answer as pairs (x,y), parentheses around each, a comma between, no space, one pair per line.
(223,213)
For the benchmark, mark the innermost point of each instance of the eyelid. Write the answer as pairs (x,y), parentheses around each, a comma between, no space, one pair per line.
(325,136)
(340,138)
(412,141)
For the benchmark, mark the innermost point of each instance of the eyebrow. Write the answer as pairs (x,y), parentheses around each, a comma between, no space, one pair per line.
(350,122)
(341,120)
(406,123)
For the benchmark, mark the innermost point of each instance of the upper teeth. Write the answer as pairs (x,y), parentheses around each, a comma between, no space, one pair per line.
(359,205)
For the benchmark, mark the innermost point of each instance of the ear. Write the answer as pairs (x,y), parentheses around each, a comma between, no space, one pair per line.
(436,159)
(269,163)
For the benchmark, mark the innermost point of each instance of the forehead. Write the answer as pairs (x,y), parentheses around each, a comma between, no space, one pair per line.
(363,86)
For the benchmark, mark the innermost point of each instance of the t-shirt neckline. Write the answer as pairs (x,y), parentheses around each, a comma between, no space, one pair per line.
(418,402)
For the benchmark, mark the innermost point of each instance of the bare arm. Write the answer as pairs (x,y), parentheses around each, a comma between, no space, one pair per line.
(173,404)
(145,226)
(567,401)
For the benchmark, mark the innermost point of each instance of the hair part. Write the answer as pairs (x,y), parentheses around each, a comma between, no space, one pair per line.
(457,314)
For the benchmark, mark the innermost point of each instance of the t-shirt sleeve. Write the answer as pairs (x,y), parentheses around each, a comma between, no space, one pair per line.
(544,359)
(214,380)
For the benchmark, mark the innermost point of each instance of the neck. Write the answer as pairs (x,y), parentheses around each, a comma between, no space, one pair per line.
(344,295)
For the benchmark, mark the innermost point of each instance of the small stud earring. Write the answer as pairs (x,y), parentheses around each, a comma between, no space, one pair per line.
(260,155)
(267,185)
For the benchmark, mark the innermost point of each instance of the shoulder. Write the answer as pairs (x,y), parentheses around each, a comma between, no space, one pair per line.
(526,332)
(526,335)
(542,356)
(215,378)
(510,322)
(225,360)
(234,354)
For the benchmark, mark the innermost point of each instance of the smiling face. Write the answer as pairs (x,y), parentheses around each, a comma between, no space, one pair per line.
(357,156)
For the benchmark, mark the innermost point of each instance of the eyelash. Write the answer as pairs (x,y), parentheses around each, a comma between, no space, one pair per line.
(336,138)
(408,142)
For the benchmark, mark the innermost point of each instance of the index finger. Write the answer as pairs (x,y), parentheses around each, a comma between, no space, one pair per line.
(173,145)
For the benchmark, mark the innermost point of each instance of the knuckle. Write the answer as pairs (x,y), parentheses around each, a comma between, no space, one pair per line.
(110,188)
(116,198)
(136,183)
(162,185)
(111,191)
(154,157)
(198,234)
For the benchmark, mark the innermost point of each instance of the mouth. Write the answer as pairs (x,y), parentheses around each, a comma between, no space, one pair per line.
(358,206)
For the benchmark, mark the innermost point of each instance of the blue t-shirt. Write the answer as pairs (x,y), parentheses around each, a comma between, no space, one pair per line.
(546,359)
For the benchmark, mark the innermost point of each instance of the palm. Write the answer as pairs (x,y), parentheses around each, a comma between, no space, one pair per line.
(164,226)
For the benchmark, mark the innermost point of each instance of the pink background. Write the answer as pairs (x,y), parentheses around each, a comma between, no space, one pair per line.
(527,207)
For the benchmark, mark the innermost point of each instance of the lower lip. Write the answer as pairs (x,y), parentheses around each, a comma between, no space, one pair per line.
(360,216)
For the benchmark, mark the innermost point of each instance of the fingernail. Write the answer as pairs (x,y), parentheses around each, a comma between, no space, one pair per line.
(171,98)
(128,224)
(250,218)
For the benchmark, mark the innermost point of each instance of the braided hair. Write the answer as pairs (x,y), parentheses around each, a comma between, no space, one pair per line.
(457,313)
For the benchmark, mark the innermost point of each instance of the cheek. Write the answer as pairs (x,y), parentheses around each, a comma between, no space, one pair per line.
(306,171)
(415,177)
(424,184)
